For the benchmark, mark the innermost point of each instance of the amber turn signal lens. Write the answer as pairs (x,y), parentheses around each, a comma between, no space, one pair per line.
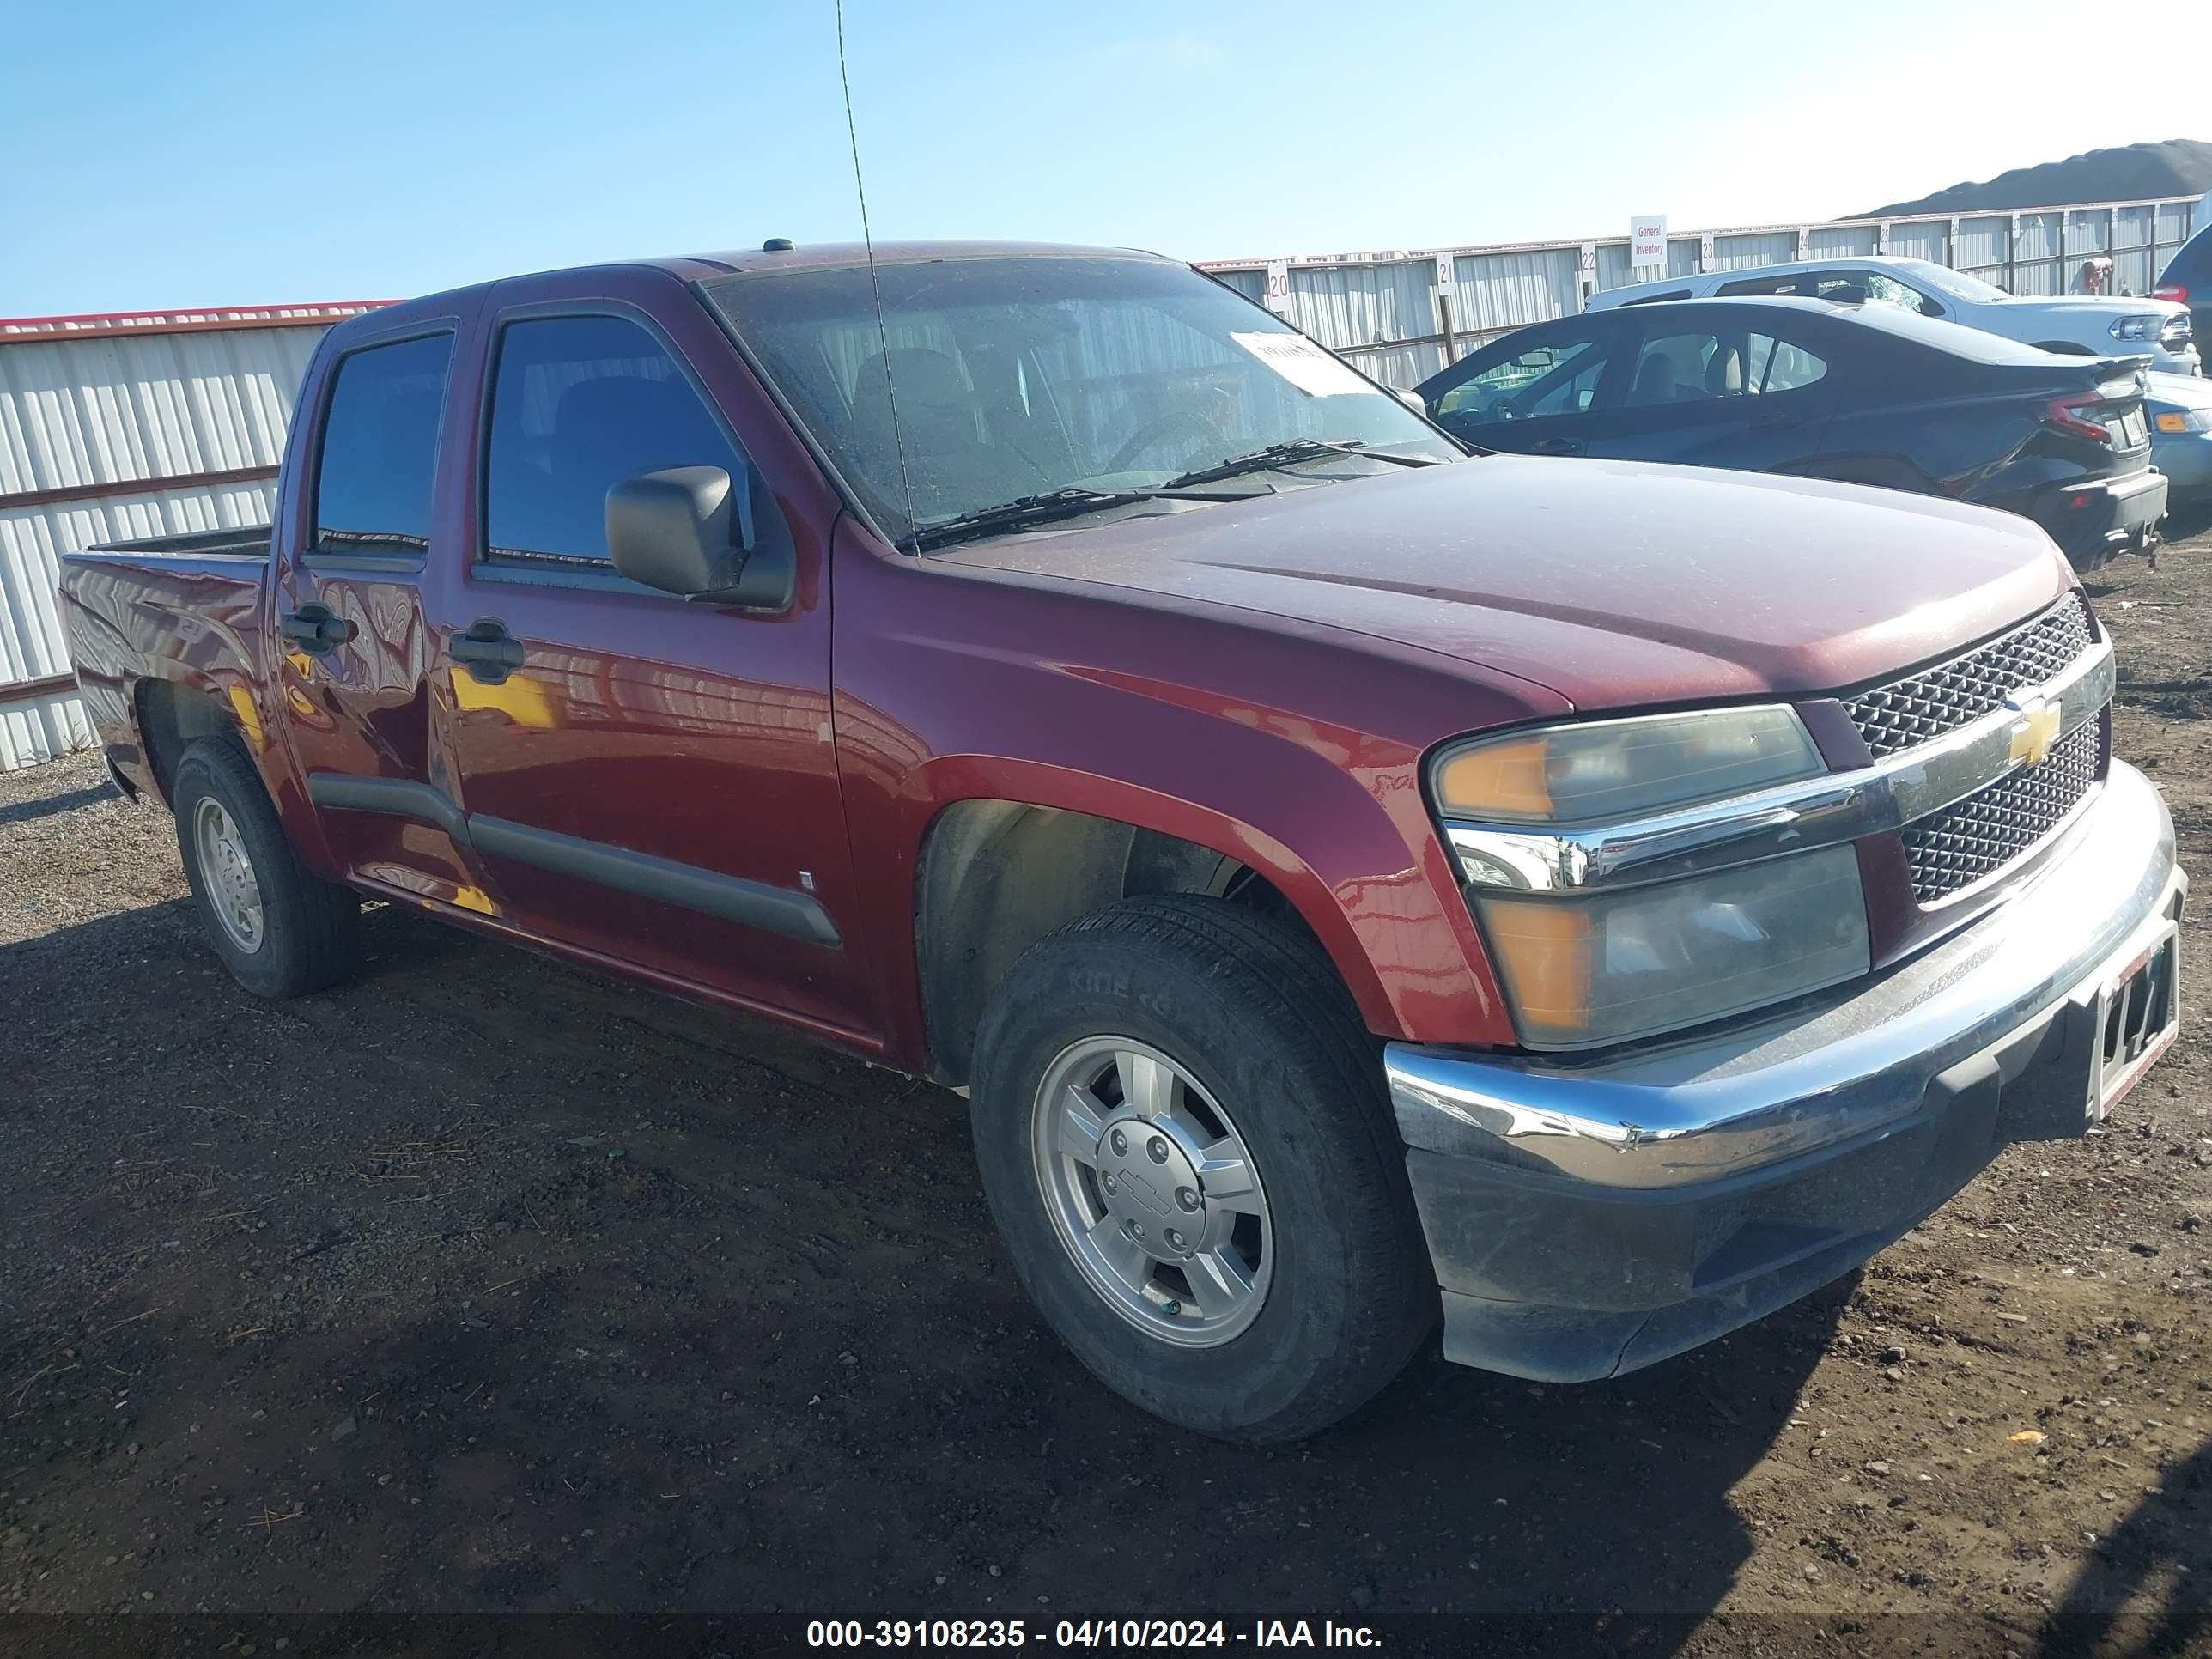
(1505,778)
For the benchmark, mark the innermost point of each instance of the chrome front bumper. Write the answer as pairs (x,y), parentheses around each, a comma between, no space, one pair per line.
(1756,1095)
(1692,1188)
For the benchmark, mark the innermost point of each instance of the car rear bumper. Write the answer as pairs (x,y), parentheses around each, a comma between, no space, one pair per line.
(2093,519)
(1586,1221)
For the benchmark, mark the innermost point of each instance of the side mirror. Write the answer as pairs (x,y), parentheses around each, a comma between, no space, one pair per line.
(690,531)
(1412,400)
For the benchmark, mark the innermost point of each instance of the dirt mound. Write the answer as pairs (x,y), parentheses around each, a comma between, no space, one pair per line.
(2131,172)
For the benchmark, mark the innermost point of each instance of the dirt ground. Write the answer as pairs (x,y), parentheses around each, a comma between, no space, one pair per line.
(486,1285)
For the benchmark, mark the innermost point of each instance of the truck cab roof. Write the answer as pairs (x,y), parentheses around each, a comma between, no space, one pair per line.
(735,262)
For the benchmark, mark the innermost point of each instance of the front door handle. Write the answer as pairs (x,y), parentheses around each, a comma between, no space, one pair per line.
(488,652)
(1556,446)
(314,627)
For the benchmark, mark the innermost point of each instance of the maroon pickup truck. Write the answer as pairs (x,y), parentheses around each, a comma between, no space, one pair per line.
(1354,879)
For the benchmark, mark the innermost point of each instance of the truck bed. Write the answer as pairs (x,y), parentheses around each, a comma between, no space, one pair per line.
(240,542)
(183,613)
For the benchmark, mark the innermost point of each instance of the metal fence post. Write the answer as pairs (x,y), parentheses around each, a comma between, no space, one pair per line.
(1444,263)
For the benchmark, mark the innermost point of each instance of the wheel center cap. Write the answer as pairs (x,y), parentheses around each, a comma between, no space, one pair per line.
(1144,1192)
(1149,1182)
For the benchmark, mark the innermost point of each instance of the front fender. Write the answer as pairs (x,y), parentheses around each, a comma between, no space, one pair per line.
(1299,757)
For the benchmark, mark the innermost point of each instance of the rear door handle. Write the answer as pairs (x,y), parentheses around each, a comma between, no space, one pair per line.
(490,652)
(314,628)
(1556,446)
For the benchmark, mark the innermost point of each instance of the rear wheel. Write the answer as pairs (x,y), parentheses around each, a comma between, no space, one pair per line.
(280,931)
(1185,1140)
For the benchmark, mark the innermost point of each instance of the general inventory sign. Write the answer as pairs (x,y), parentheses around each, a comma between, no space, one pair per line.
(1647,241)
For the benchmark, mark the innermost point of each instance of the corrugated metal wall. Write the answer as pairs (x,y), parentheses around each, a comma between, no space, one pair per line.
(92,419)
(113,409)
(1380,310)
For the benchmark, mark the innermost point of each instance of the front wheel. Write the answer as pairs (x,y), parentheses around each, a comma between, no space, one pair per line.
(1184,1138)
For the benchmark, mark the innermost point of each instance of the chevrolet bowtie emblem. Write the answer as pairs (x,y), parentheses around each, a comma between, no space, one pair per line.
(2035,729)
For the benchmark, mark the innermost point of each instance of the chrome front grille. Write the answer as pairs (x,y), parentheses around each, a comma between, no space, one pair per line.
(1953,849)
(1934,701)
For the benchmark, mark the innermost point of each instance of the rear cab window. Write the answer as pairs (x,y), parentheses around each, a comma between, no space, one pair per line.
(377,465)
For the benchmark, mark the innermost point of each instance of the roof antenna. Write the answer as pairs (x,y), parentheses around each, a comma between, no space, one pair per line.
(883,334)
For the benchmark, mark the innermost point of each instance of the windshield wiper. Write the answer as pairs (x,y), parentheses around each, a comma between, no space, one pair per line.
(1064,503)
(1073,501)
(1290,453)
(1069,501)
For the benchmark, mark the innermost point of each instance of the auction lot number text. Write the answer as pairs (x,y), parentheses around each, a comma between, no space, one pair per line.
(1081,1633)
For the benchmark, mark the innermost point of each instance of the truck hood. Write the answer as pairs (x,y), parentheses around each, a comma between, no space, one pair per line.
(1613,583)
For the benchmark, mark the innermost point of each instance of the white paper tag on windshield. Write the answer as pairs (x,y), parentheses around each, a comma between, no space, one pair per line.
(1303,363)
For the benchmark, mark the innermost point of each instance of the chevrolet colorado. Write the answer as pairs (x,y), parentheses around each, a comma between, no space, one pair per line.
(1354,880)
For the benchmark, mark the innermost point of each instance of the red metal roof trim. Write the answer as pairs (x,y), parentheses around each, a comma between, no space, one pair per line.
(196,319)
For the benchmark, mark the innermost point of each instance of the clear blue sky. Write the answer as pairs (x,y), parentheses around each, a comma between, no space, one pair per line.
(165,155)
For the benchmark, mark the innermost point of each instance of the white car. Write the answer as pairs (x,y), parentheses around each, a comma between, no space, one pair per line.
(2098,325)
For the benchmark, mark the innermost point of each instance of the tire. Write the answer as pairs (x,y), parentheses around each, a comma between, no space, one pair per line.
(307,932)
(1251,1012)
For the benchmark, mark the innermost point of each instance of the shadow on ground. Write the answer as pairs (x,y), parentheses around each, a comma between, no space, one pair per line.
(484,1284)
(2149,1590)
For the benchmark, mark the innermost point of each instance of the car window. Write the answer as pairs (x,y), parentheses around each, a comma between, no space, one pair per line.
(1697,365)
(1797,283)
(1560,379)
(1844,287)
(1671,369)
(580,403)
(1857,287)
(380,447)
(1773,365)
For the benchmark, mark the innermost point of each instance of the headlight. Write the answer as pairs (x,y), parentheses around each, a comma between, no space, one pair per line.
(1609,967)
(1585,966)
(2134,328)
(1606,770)
(2182,420)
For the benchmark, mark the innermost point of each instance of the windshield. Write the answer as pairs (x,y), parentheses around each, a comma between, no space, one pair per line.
(1012,378)
(1956,284)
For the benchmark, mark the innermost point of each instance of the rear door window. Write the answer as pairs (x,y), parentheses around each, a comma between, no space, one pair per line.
(380,447)
(580,403)
(1701,365)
